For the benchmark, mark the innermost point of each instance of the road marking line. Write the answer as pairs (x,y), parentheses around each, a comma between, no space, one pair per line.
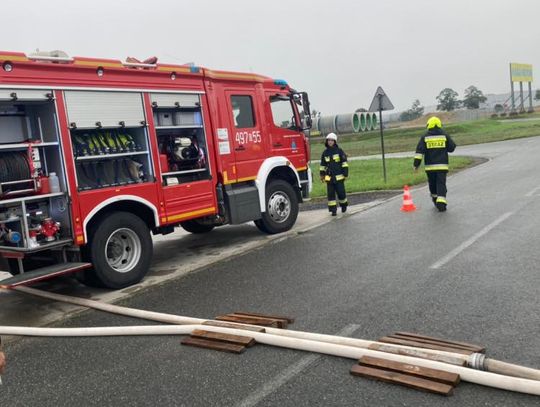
(533,192)
(470,241)
(275,383)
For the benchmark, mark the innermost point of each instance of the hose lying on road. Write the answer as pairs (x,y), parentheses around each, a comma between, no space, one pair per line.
(476,360)
(474,376)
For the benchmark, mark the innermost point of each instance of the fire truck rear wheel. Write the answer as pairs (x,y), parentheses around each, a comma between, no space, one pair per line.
(120,249)
(194,226)
(281,208)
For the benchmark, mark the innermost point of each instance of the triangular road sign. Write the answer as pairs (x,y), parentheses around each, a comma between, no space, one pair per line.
(380,101)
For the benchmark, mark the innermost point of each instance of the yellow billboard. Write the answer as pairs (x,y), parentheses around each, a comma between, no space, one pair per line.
(521,72)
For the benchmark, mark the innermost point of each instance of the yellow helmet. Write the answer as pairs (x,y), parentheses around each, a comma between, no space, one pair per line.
(433,122)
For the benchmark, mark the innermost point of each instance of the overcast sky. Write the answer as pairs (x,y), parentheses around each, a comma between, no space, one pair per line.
(339,51)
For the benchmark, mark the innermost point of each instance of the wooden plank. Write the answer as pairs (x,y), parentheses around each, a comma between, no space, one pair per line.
(404,342)
(402,379)
(234,326)
(418,371)
(217,336)
(280,323)
(248,320)
(214,345)
(472,346)
(254,314)
(431,342)
(417,353)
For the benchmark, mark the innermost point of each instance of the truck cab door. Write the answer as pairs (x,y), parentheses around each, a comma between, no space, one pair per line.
(284,129)
(246,133)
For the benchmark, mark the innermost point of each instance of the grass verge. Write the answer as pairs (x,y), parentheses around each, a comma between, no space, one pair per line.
(397,140)
(367,175)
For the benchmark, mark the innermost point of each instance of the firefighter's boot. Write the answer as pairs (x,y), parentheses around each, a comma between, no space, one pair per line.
(440,203)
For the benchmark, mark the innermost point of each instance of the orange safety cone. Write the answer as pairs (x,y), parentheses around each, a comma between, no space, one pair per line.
(408,205)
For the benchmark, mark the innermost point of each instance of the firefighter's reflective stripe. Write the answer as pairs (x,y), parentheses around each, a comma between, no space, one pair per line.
(343,201)
(322,168)
(327,159)
(340,177)
(336,158)
(436,167)
(327,178)
(441,137)
(332,203)
(345,164)
(434,195)
(419,156)
(441,199)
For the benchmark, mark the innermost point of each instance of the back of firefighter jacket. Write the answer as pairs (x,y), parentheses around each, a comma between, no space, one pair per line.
(434,147)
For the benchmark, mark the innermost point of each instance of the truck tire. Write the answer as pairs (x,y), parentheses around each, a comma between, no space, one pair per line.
(193,226)
(120,249)
(281,208)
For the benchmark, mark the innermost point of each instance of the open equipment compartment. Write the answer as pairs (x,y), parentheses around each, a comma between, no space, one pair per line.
(182,143)
(109,138)
(32,216)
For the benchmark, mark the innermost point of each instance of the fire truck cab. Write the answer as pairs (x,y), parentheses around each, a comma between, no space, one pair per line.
(97,155)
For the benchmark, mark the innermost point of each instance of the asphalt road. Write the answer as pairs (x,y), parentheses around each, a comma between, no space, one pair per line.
(469,274)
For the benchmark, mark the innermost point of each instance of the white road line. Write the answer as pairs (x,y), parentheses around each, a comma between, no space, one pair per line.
(533,192)
(275,383)
(470,241)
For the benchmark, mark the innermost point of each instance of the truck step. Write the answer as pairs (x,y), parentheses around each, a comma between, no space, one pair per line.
(43,274)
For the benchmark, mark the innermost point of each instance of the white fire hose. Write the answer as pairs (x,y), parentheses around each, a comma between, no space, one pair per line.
(320,343)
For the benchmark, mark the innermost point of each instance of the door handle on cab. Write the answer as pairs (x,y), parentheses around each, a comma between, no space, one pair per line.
(277,145)
(240,148)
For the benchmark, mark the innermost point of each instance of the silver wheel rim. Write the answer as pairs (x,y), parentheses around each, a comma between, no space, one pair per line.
(279,207)
(123,250)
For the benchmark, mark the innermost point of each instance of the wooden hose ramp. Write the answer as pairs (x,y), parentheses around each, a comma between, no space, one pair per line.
(274,321)
(416,377)
(218,341)
(429,342)
(235,343)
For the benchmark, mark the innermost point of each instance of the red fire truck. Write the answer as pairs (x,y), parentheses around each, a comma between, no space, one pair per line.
(96,155)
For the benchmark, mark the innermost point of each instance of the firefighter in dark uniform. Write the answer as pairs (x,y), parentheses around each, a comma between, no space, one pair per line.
(434,147)
(334,170)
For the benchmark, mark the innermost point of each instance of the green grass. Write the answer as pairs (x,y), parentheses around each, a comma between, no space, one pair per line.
(367,175)
(397,140)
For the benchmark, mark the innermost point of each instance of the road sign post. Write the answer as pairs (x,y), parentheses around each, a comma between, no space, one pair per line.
(381,102)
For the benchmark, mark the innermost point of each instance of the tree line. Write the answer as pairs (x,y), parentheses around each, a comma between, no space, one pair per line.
(447,101)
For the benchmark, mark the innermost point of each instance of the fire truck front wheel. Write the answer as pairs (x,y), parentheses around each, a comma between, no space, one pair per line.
(120,249)
(281,208)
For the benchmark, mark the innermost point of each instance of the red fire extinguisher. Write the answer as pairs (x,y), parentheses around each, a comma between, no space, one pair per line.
(43,184)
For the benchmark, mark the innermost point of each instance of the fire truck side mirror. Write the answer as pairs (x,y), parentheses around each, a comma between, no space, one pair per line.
(307,112)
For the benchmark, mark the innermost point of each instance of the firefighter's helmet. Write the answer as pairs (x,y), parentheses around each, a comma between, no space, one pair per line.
(332,136)
(433,122)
